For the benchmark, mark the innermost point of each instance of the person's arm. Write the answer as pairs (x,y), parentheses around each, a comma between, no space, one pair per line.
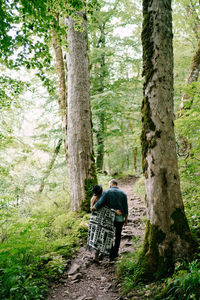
(101,202)
(126,220)
(126,210)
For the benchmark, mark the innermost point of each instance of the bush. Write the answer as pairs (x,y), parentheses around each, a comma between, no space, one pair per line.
(128,271)
(36,247)
(185,282)
(139,187)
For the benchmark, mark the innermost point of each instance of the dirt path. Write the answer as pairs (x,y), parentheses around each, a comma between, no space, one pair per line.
(85,280)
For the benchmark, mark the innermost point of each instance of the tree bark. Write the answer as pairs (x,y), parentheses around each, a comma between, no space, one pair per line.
(62,98)
(82,173)
(50,166)
(167,235)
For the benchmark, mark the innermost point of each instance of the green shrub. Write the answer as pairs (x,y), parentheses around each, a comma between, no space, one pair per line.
(39,239)
(128,271)
(139,187)
(184,284)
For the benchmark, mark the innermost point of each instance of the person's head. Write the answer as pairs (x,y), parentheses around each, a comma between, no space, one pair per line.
(97,190)
(112,183)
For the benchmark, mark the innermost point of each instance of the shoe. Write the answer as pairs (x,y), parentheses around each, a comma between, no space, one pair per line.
(101,256)
(96,262)
(113,258)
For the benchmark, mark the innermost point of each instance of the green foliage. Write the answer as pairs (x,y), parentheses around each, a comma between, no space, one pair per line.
(10,89)
(116,84)
(38,233)
(184,284)
(139,187)
(191,195)
(129,272)
(36,247)
(188,126)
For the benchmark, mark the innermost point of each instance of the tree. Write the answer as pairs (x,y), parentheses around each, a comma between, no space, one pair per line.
(168,236)
(115,81)
(100,65)
(192,10)
(80,147)
(60,69)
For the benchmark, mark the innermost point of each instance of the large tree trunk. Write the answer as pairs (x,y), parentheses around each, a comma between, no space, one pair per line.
(80,149)
(62,97)
(167,235)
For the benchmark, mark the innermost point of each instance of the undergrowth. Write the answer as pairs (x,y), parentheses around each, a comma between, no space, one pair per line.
(185,282)
(128,271)
(35,242)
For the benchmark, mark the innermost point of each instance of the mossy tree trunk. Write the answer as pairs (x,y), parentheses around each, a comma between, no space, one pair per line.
(82,175)
(167,235)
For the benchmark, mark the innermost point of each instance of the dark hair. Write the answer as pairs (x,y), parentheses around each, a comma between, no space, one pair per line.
(97,189)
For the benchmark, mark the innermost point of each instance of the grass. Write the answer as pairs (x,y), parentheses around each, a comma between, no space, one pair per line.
(139,187)
(38,241)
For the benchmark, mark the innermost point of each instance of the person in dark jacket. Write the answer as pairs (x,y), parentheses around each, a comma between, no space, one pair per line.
(116,199)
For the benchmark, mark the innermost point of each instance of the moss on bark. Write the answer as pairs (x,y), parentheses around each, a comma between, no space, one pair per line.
(153,265)
(148,45)
(89,183)
(148,125)
(180,225)
(181,228)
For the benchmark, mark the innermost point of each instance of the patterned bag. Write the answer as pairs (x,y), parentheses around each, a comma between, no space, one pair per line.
(101,230)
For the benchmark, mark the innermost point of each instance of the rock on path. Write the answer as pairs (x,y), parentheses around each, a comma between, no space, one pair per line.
(85,280)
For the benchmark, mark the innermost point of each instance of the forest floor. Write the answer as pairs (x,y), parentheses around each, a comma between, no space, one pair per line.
(85,280)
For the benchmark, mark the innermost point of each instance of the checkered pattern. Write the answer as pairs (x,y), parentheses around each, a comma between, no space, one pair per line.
(101,230)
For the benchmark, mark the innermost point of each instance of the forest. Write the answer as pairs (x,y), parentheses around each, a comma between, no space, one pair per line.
(92,90)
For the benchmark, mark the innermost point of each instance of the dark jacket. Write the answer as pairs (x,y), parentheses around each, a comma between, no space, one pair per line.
(114,198)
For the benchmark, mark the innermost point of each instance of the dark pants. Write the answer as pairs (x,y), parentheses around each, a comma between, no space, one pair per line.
(118,232)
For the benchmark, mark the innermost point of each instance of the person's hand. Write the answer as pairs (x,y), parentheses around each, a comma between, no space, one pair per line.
(118,212)
(92,208)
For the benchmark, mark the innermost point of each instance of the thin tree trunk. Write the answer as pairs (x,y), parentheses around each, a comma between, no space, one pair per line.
(100,142)
(186,101)
(193,76)
(167,235)
(50,166)
(100,89)
(135,159)
(82,173)
(62,98)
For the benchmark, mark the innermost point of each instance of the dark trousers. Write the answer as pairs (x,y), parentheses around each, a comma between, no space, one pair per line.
(118,232)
